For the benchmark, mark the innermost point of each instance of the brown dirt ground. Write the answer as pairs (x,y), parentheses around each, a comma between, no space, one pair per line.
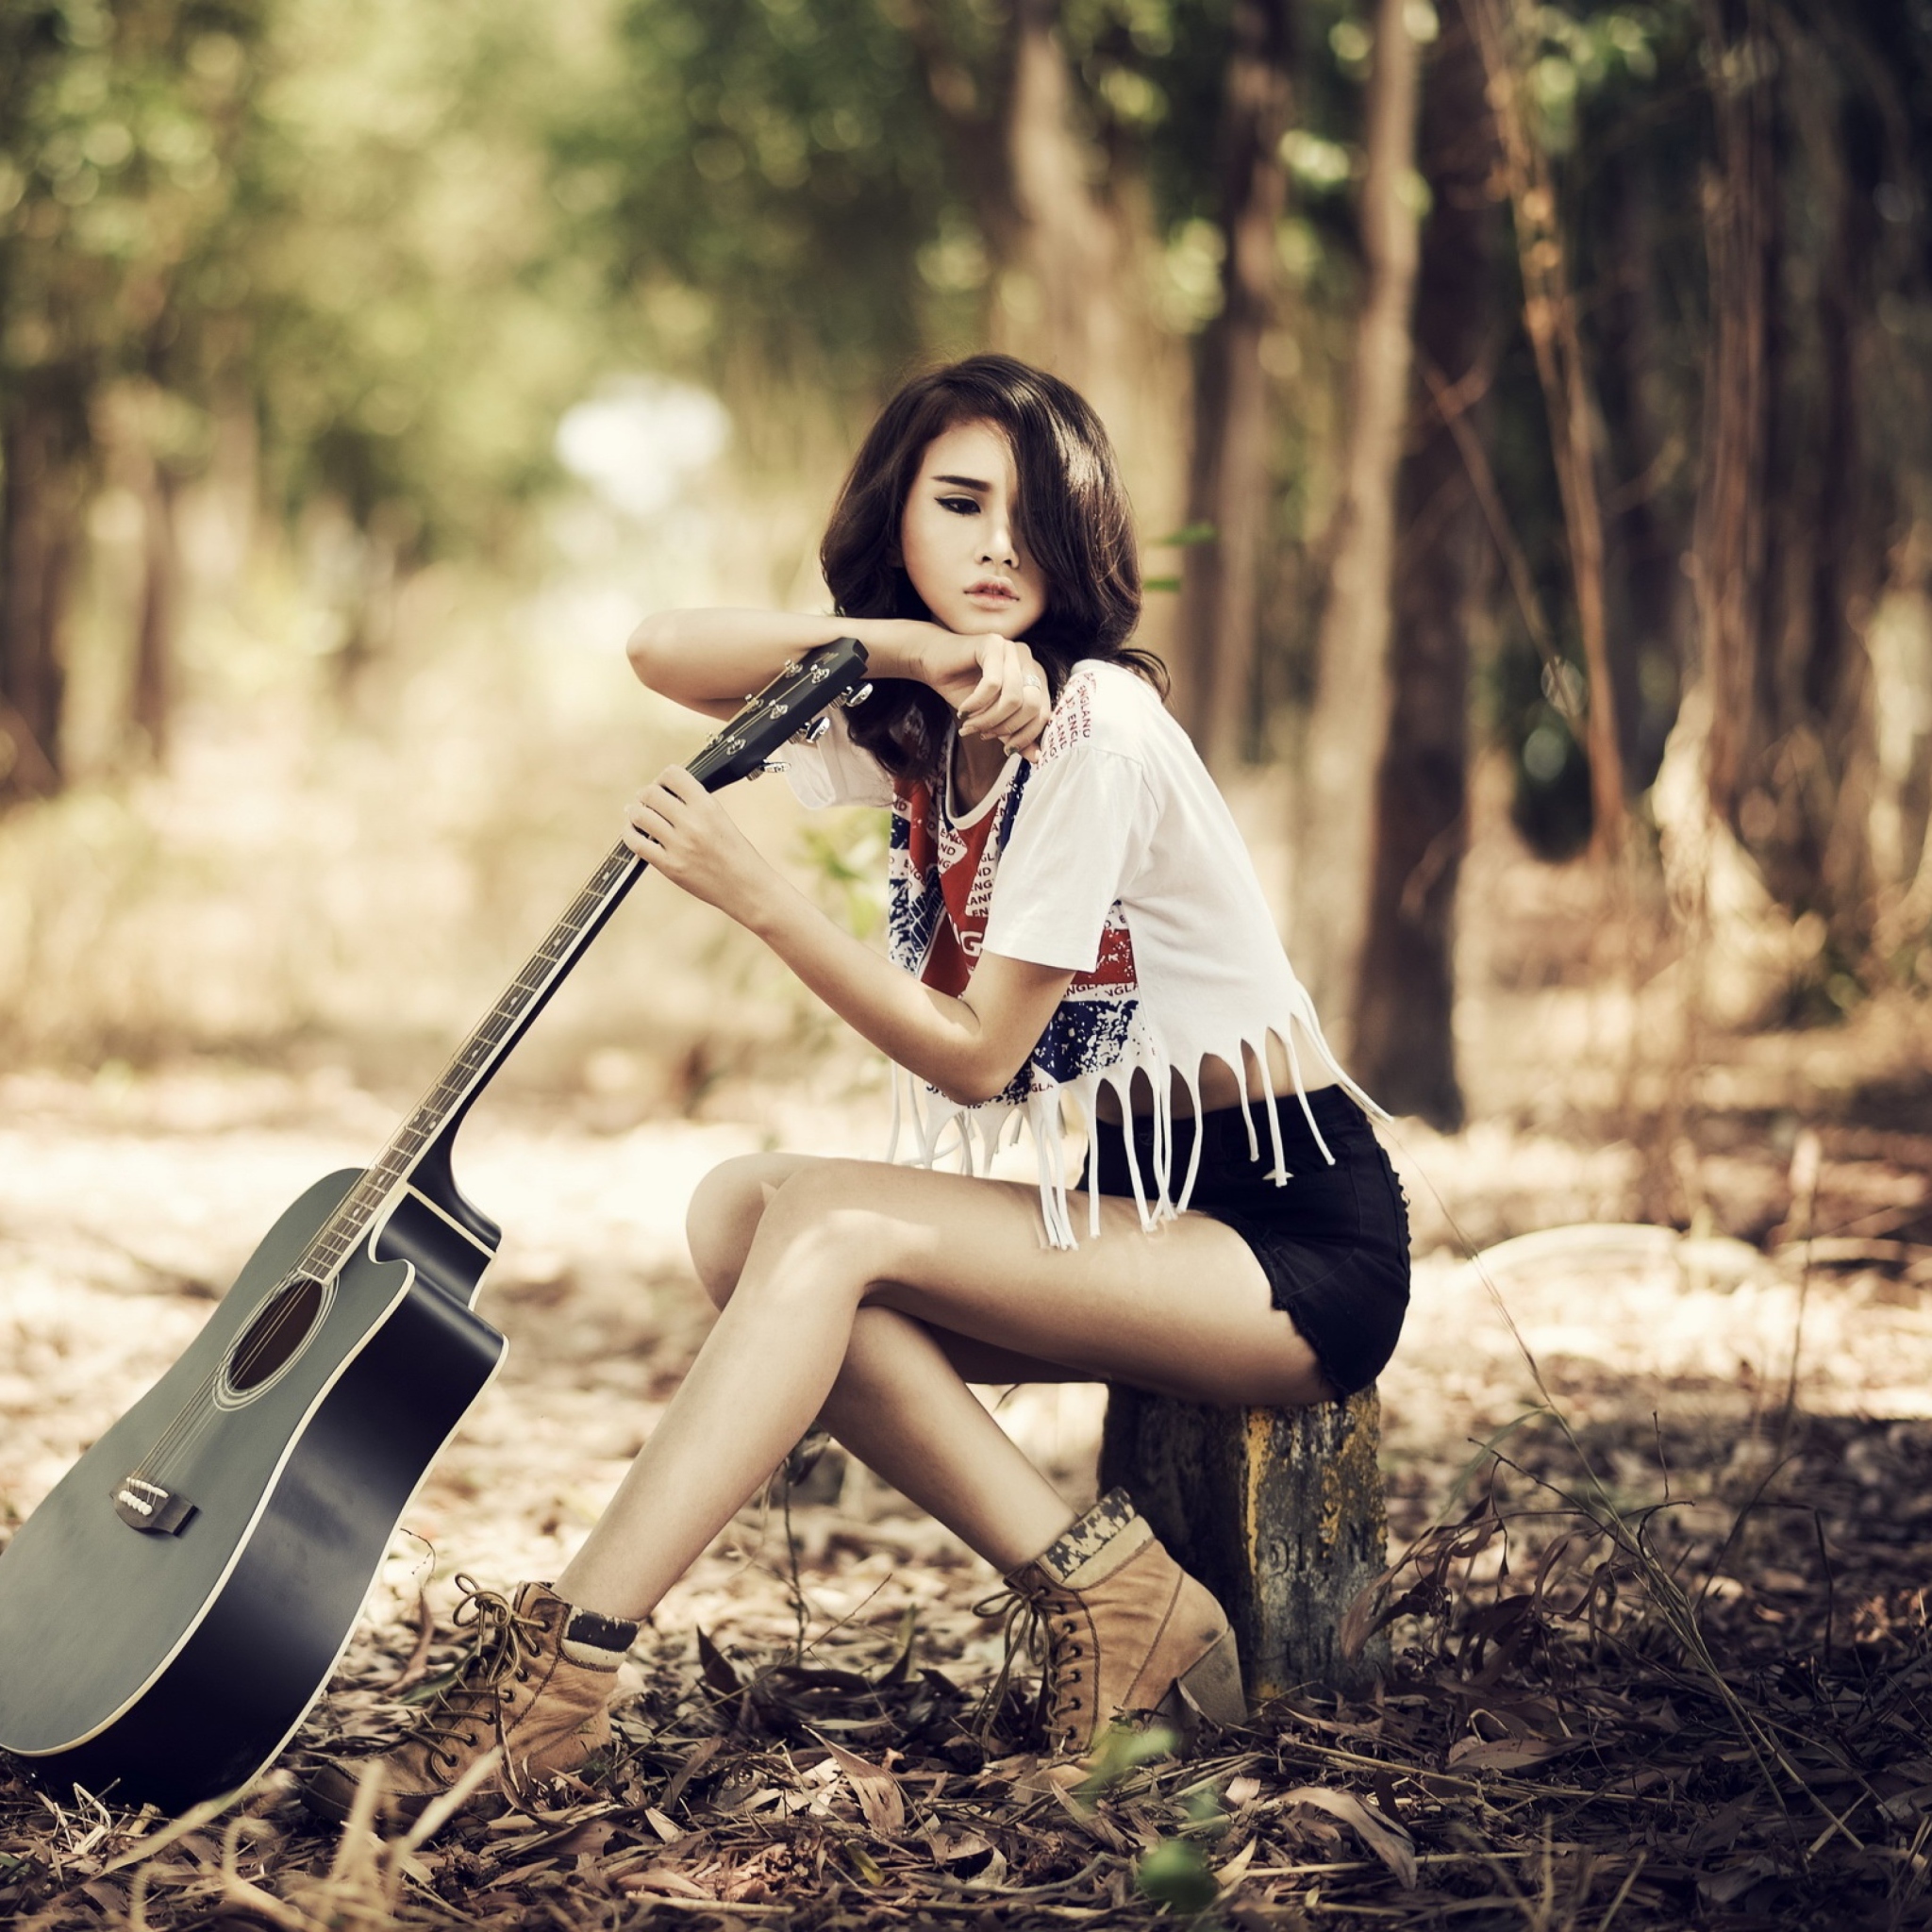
(1660,1647)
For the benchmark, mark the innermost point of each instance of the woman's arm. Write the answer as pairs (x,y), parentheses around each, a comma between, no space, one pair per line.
(708,660)
(969,1048)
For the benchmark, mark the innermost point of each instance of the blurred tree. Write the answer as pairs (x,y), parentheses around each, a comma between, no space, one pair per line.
(114,125)
(1229,483)
(767,188)
(1348,723)
(1404,1045)
(416,311)
(1795,517)
(1507,32)
(816,196)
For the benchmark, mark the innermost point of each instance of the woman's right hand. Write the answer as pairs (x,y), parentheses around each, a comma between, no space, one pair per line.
(995,684)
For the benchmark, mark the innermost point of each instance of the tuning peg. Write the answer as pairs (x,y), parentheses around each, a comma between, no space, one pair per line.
(814,731)
(857,696)
(760,770)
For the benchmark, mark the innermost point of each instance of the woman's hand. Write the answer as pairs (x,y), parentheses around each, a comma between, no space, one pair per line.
(995,684)
(681,830)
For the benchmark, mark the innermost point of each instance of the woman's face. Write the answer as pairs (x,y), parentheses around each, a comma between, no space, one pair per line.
(960,543)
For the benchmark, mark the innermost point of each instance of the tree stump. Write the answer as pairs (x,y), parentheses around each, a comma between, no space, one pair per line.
(1279,1513)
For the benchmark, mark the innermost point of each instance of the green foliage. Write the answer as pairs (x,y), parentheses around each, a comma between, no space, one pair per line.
(762,176)
(117,129)
(1122,1749)
(417,325)
(846,857)
(1176,1874)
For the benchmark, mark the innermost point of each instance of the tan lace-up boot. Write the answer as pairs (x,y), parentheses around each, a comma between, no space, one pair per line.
(535,1686)
(1128,1629)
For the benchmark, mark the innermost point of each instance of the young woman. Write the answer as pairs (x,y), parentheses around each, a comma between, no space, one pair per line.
(1076,930)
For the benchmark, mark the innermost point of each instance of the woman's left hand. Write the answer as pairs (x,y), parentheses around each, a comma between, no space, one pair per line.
(683,832)
(1000,692)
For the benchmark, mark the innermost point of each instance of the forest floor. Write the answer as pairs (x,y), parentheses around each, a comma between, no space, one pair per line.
(1665,1500)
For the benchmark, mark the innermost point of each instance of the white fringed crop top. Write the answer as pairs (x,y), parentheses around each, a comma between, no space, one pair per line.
(1116,858)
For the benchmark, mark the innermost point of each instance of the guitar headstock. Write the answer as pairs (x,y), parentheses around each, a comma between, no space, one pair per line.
(792,706)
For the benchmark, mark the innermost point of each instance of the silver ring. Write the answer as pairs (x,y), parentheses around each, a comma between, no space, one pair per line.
(1029,682)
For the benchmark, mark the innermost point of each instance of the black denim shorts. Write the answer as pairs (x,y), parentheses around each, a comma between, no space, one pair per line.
(1333,1241)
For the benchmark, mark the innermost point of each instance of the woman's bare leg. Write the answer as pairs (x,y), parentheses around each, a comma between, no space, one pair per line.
(1184,1311)
(902,1408)
(901,1404)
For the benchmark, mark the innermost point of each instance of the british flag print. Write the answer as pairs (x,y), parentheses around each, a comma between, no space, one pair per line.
(939,894)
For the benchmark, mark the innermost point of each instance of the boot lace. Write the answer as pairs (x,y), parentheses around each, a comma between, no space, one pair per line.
(1038,1624)
(504,1644)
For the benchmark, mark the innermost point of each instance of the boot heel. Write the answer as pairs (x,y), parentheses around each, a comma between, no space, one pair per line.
(1209,1687)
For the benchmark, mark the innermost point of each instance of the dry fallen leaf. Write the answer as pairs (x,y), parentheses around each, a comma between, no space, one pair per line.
(877,1790)
(1388,1839)
(1504,1753)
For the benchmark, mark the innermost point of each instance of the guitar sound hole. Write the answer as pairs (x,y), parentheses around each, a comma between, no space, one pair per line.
(270,1341)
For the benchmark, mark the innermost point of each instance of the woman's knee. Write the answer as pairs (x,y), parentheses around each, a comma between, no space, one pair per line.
(724,1216)
(828,1229)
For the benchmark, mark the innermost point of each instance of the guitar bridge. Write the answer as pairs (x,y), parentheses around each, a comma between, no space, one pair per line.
(147,1506)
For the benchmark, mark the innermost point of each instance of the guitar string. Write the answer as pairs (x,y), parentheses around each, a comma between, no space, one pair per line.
(200,1412)
(360,1204)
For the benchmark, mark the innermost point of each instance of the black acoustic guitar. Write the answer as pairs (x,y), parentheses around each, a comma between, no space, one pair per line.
(171,1611)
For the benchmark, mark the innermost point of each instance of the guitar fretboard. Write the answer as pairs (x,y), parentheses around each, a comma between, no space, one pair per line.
(473,1063)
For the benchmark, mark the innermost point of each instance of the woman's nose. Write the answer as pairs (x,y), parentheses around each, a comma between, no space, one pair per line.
(1000,545)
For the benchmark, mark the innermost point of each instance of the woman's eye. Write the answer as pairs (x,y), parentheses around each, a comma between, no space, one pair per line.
(960,506)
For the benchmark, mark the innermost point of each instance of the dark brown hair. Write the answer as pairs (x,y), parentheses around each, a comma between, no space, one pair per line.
(1073,517)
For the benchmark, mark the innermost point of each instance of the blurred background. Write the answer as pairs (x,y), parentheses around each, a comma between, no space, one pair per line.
(1525,407)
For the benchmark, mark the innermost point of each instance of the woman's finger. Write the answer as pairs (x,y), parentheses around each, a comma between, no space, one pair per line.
(996,664)
(649,816)
(1025,714)
(971,708)
(998,717)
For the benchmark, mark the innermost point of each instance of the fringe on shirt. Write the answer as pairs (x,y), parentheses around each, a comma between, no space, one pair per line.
(970,1135)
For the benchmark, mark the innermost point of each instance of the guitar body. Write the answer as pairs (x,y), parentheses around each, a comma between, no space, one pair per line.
(166,1668)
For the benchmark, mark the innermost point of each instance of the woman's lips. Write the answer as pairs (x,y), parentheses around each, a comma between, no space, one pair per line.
(999,593)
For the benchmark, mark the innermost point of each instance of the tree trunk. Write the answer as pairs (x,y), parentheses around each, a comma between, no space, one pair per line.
(1279,1513)
(38,513)
(1790,537)
(1228,485)
(1405,1047)
(1740,250)
(1850,528)
(152,687)
(1074,297)
(1645,587)
(1549,319)
(1349,721)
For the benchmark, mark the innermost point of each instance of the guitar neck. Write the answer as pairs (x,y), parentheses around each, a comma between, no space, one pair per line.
(797,696)
(473,1064)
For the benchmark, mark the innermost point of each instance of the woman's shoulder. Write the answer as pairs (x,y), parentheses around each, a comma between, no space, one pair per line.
(1109,707)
